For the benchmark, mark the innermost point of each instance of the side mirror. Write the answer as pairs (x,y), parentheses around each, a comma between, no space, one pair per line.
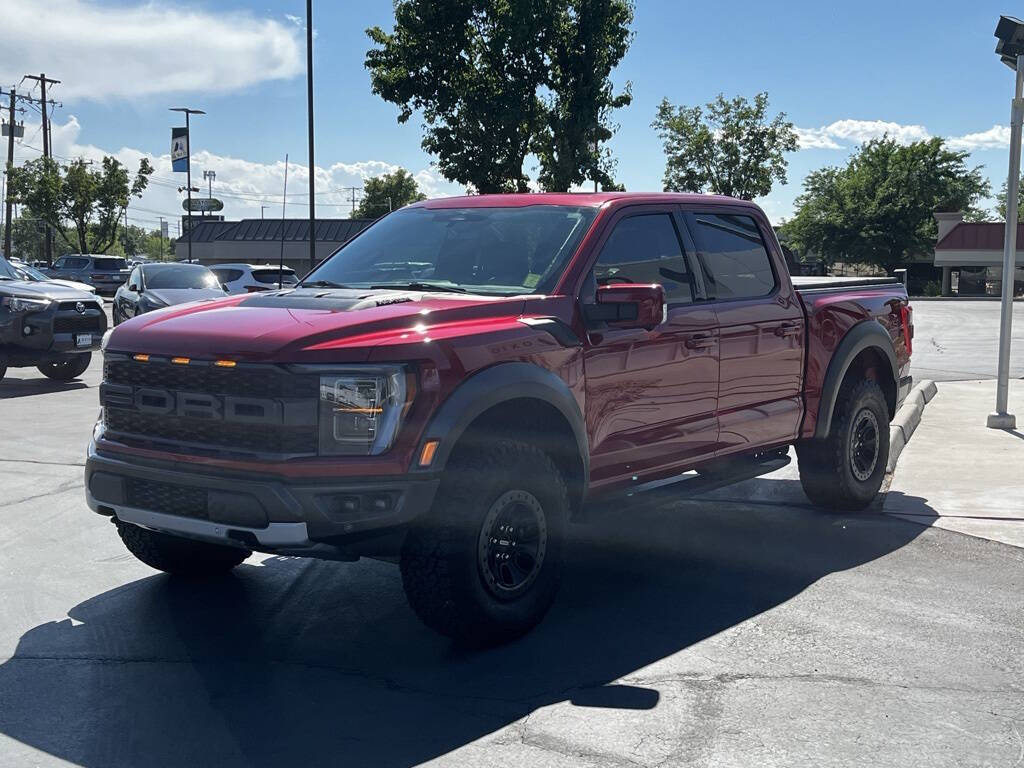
(628,306)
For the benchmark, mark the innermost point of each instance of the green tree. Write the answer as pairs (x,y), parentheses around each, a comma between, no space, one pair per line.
(878,208)
(387,192)
(498,79)
(83,205)
(586,41)
(728,147)
(1003,196)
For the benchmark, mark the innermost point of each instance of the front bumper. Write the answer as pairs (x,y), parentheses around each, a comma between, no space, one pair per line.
(328,518)
(53,333)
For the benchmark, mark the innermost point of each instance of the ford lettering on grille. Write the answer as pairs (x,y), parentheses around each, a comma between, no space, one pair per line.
(195,405)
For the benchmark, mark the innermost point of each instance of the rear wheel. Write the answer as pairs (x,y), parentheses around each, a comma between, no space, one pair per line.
(68,369)
(845,470)
(483,566)
(177,555)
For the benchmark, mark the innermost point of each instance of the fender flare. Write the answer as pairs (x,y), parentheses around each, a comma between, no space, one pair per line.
(868,334)
(493,386)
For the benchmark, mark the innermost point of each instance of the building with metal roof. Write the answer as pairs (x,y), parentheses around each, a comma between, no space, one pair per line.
(971,256)
(260,241)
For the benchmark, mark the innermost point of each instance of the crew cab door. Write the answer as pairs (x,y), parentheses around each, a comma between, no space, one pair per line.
(651,395)
(761,327)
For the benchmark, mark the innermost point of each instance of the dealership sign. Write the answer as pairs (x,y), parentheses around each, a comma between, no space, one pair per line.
(203,204)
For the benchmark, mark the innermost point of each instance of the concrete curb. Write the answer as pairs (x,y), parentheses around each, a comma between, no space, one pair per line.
(907,418)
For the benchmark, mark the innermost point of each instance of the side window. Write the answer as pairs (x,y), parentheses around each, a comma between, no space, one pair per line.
(133,280)
(60,263)
(646,249)
(734,257)
(227,275)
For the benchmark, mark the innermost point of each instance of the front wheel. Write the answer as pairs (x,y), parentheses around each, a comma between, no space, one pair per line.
(177,555)
(66,370)
(845,470)
(483,566)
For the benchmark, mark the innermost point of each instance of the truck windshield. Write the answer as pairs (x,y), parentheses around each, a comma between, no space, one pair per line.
(483,250)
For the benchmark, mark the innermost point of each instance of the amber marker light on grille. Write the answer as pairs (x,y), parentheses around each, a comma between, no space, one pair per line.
(180,360)
(427,454)
(225,363)
(140,358)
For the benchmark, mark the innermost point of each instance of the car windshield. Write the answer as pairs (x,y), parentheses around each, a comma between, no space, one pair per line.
(109,263)
(179,276)
(484,250)
(30,273)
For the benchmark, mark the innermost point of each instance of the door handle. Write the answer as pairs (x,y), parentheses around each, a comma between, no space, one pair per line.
(700,341)
(787,328)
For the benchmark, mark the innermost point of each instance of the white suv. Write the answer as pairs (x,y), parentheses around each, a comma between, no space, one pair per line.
(249,278)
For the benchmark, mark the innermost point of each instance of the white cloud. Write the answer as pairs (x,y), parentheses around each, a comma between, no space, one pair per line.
(851,132)
(244,185)
(104,51)
(815,138)
(996,137)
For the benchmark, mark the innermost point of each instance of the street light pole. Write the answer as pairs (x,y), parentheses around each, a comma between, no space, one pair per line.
(1009,47)
(312,166)
(188,167)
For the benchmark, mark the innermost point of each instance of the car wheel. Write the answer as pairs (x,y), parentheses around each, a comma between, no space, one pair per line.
(66,370)
(483,566)
(845,470)
(178,555)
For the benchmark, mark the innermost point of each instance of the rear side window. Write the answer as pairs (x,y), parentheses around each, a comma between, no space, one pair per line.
(109,264)
(645,249)
(735,260)
(227,275)
(270,276)
(73,263)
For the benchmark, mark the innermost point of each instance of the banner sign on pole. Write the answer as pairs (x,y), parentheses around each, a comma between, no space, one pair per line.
(179,149)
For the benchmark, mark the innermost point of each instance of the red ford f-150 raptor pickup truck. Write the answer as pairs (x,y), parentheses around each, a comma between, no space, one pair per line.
(449,388)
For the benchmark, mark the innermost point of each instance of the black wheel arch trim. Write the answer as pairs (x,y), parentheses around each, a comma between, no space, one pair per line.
(867,334)
(493,386)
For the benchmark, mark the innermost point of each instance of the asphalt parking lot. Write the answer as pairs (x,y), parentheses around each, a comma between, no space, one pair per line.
(740,629)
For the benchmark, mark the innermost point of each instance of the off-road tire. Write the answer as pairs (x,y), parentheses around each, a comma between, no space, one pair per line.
(177,555)
(66,370)
(445,562)
(829,468)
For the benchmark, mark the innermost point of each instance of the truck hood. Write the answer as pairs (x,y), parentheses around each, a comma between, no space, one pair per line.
(305,324)
(47,289)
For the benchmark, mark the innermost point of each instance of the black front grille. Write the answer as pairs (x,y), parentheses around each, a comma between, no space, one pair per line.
(167,499)
(243,382)
(247,438)
(196,434)
(77,323)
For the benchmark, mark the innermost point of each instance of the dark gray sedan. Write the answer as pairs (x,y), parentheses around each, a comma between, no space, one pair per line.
(154,286)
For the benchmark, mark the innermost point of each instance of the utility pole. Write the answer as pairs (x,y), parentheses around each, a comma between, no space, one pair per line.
(10,166)
(209,176)
(312,162)
(162,225)
(353,191)
(42,79)
(262,209)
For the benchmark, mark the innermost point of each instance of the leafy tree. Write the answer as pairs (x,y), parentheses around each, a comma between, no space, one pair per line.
(83,205)
(387,192)
(498,79)
(878,209)
(587,39)
(1004,195)
(728,146)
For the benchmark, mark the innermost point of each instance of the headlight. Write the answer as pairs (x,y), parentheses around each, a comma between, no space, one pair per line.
(104,340)
(152,301)
(24,304)
(361,410)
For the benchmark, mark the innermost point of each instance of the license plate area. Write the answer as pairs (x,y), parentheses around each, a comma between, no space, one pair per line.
(83,339)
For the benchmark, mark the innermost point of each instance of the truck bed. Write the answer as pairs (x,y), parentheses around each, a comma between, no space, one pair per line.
(837,283)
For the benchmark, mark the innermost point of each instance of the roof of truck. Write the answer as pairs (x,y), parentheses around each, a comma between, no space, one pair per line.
(591,199)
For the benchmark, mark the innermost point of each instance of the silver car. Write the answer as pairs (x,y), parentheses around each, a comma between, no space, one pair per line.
(105,273)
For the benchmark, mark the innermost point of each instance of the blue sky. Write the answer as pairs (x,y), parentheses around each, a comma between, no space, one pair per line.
(842,74)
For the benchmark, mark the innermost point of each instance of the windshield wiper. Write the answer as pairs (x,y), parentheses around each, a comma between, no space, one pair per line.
(321,284)
(415,286)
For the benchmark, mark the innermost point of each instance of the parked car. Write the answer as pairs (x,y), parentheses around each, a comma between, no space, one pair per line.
(105,273)
(154,286)
(33,275)
(46,325)
(251,278)
(449,387)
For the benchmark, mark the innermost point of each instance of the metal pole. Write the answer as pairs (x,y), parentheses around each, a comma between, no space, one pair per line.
(188,181)
(284,222)
(1001,418)
(10,165)
(312,166)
